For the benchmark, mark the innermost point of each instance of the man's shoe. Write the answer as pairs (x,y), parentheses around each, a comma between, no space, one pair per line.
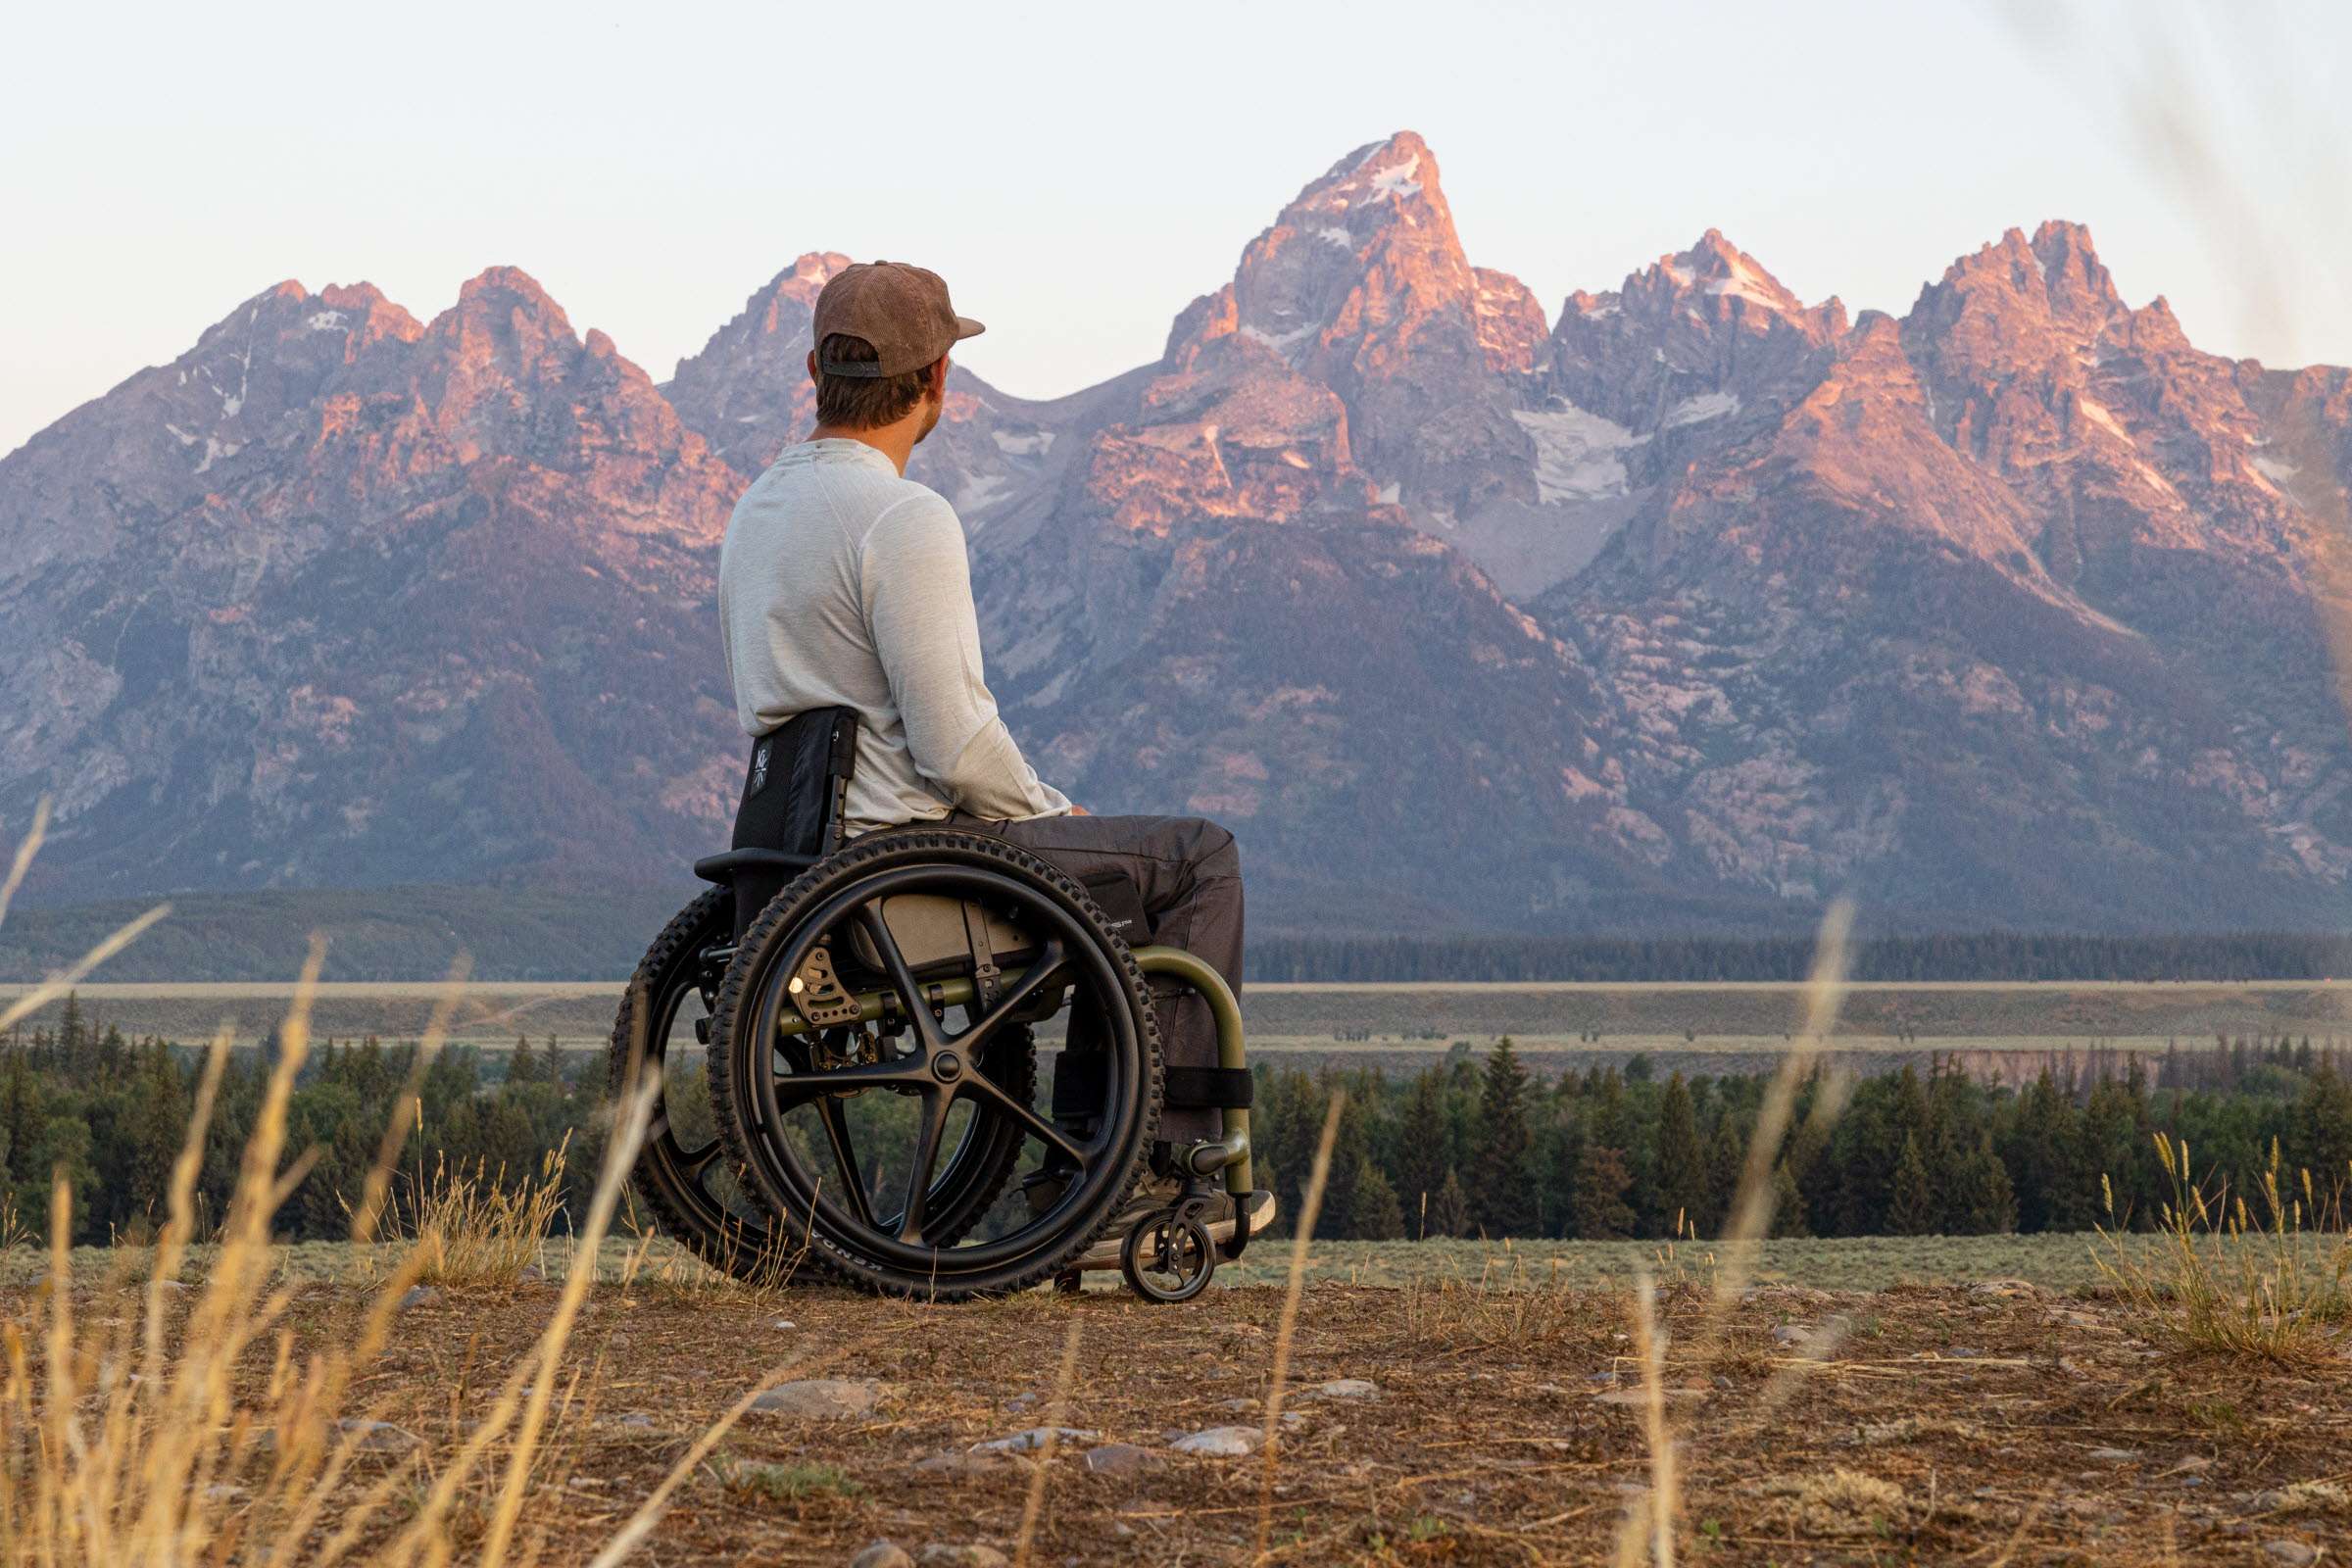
(1162,1193)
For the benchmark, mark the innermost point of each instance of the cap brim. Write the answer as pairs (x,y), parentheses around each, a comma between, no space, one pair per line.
(965,327)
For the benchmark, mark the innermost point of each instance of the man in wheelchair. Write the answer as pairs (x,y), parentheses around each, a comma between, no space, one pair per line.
(844,590)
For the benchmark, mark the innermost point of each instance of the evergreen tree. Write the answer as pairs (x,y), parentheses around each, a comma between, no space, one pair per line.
(1601,1179)
(2322,1136)
(1981,1200)
(1911,1211)
(1450,1208)
(1787,1203)
(1680,1180)
(1503,1187)
(1727,1166)
(1376,1216)
(1425,1143)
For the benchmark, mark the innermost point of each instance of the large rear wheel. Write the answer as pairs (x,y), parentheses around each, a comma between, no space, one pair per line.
(683,1176)
(852,1137)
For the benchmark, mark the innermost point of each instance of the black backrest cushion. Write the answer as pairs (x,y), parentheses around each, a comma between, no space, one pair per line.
(790,786)
(789,795)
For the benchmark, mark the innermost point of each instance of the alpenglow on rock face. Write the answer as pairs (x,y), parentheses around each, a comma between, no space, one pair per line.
(1693,603)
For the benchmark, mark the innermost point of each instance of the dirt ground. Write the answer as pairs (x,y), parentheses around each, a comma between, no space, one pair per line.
(1999,1423)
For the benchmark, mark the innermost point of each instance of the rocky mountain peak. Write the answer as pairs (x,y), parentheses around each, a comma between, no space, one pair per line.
(2016,288)
(748,390)
(1360,285)
(1368,251)
(1696,335)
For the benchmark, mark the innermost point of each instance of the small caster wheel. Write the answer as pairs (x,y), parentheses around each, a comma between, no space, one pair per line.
(1069,1282)
(1167,1258)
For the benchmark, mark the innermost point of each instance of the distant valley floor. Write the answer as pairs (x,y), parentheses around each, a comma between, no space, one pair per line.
(1704,1027)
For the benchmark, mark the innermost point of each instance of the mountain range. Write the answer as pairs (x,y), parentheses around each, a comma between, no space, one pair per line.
(1688,605)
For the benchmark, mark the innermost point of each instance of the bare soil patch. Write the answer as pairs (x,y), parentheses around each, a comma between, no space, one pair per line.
(1916,1423)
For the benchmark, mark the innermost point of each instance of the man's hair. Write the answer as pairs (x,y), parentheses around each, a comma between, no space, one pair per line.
(862,403)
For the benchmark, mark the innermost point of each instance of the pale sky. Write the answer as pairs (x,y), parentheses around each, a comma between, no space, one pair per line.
(1079,172)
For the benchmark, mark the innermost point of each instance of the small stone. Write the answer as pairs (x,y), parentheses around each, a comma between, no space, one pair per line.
(223,1491)
(2115,1455)
(1121,1459)
(2294,1554)
(882,1555)
(1241,1406)
(1790,1334)
(2004,1289)
(958,1463)
(418,1295)
(1962,1353)
(824,1398)
(940,1554)
(1221,1442)
(1034,1439)
(787,1323)
(635,1418)
(377,1437)
(1345,1389)
(1640,1396)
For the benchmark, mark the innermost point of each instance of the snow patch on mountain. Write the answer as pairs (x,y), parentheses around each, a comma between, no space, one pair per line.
(1577,453)
(1705,406)
(1396,181)
(1034,444)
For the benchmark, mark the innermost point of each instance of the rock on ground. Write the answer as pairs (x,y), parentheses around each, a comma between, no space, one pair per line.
(824,1398)
(1121,1459)
(1221,1442)
(377,1437)
(940,1554)
(1034,1439)
(882,1555)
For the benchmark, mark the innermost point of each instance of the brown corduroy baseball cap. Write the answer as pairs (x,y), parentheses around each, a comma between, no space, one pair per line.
(903,310)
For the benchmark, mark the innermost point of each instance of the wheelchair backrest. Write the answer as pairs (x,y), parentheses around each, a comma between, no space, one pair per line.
(794,789)
(793,795)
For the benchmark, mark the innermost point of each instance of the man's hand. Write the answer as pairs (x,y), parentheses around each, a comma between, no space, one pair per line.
(1079,811)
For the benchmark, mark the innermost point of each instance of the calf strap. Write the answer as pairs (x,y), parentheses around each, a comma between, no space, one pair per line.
(1212,1088)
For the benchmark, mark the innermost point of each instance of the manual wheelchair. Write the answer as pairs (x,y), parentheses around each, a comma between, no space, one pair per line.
(869,1014)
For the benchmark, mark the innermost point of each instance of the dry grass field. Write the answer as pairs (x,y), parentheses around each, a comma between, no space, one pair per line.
(1435,1421)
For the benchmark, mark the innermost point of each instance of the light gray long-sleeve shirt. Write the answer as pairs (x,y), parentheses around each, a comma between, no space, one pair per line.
(842,584)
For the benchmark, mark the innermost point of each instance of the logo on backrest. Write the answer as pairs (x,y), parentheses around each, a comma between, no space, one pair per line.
(759,767)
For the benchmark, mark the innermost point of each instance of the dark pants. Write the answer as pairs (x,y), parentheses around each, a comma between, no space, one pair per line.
(1188,875)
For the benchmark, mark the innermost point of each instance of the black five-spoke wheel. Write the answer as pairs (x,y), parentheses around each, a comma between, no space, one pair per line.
(881,1203)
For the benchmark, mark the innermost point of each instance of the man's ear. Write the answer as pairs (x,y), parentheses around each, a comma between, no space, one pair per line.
(939,377)
(812,366)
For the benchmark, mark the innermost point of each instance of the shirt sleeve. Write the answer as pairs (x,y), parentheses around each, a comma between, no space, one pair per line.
(917,589)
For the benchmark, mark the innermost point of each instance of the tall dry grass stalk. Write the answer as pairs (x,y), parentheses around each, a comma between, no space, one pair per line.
(1751,1205)
(2273,1282)
(1310,1209)
(409,1108)
(1649,1518)
(142,1441)
(27,848)
(475,1227)
(1057,1416)
(1647,1532)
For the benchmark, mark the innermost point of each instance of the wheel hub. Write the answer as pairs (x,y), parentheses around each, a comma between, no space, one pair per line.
(946,1067)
